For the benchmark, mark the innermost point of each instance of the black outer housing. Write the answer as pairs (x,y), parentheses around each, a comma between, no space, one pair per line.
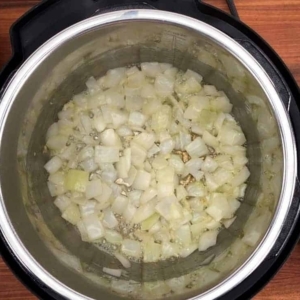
(52,16)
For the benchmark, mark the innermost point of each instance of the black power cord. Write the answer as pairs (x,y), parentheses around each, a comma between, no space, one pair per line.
(232,8)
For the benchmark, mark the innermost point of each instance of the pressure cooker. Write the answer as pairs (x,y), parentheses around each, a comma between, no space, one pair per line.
(57,46)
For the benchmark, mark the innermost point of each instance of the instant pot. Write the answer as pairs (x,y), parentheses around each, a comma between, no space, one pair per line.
(57,46)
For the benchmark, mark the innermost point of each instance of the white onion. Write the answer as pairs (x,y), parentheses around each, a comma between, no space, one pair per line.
(207,240)
(123,260)
(106,154)
(94,227)
(62,202)
(164,85)
(72,214)
(148,195)
(142,180)
(119,205)
(88,208)
(156,148)
(131,248)
(113,236)
(109,219)
(113,272)
(93,189)
(57,178)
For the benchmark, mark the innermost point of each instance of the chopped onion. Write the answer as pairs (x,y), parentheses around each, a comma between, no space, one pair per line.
(142,180)
(123,260)
(106,154)
(53,165)
(197,148)
(119,205)
(113,272)
(109,219)
(153,154)
(72,214)
(113,236)
(77,180)
(62,202)
(207,240)
(94,227)
(131,248)
(93,189)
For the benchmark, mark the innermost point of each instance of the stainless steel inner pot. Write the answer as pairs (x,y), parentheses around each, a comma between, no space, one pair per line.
(32,226)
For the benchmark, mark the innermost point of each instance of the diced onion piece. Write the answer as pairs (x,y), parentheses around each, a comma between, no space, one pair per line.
(110,138)
(113,236)
(231,136)
(148,195)
(207,240)
(145,139)
(196,189)
(129,212)
(142,180)
(113,272)
(57,178)
(151,106)
(169,209)
(131,248)
(165,175)
(161,120)
(131,176)
(72,214)
(88,208)
(169,249)
(197,148)
(62,202)
(176,162)
(143,212)
(99,123)
(152,251)
(123,260)
(106,154)
(138,154)
(165,190)
(210,140)
(149,222)
(210,90)
(209,165)
(136,119)
(89,165)
(189,73)
(57,142)
(109,219)
(119,205)
(93,189)
(164,85)
(221,104)
(159,163)
(151,69)
(181,192)
(241,177)
(77,180)
(53,165)
(114,77)
(106,193)
(183,234)
(94,227)
(218,207)
(167,146)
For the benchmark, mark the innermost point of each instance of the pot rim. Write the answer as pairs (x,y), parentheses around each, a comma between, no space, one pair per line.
(280,113)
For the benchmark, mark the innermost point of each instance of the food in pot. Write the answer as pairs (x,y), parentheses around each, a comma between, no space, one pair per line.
(148,163)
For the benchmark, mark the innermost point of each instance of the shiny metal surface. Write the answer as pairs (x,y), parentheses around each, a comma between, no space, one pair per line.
(32,225)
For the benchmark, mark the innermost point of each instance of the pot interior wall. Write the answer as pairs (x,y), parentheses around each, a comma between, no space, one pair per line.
(57,245)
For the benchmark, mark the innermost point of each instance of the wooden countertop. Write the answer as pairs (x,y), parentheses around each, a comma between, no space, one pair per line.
(278,21)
